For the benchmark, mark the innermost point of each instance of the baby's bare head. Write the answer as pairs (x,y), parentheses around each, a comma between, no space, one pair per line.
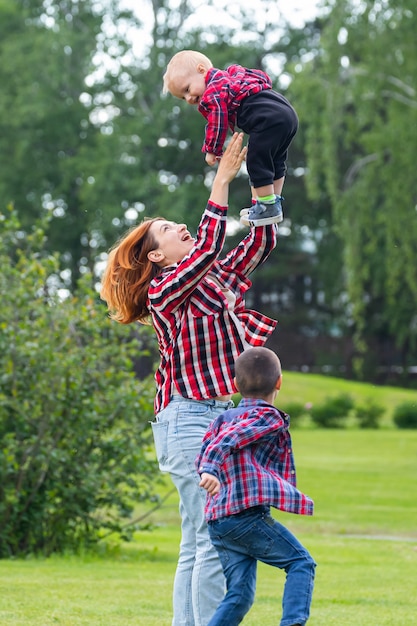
(182,65)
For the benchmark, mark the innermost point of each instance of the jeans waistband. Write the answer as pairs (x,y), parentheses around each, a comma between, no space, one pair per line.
(213,403)
(261,509)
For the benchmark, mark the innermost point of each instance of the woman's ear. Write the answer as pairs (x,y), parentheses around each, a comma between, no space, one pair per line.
(155,256)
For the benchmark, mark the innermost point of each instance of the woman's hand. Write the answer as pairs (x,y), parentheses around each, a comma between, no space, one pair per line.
(228,167)
(233,157)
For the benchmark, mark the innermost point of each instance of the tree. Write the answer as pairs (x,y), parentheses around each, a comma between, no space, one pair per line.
(290,285)
(93,142)
(61,67)
(74,419)
(91,135)
(361,155)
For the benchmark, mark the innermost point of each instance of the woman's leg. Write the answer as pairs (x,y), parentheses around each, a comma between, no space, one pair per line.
(199,581)
(199,571)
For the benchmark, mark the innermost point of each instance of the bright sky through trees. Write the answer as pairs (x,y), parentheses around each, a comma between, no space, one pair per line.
(297,12)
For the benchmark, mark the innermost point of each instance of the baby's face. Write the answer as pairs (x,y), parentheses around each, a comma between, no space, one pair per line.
(189,86)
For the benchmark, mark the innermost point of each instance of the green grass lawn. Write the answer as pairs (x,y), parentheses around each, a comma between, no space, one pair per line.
(363,536)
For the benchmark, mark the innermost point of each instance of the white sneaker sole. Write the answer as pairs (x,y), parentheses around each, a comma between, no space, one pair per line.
(265,221)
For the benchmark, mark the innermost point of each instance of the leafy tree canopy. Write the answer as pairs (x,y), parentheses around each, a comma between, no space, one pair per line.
(361,153)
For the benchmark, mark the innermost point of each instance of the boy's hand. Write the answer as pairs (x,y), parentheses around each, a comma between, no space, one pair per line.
(211,159)
(210,483)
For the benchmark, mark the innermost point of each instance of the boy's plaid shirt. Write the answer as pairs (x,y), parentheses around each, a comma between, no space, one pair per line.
(224,93)
(199,337)
(249,450)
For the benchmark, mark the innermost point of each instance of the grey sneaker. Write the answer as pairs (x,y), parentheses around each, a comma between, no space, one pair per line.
(262,214)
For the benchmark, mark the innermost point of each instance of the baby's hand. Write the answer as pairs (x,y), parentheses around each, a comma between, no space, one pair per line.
(211,159)
(210,483)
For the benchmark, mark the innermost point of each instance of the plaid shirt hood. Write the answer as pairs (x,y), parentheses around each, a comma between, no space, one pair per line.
(249,450)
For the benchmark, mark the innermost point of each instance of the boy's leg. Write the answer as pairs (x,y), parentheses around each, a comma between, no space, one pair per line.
(287,553)
(239,569)
(255,535)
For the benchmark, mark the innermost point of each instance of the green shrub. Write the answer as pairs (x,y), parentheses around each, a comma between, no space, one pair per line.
(405,415)
(74,420)
(369,413)
(295,410)
(333,412)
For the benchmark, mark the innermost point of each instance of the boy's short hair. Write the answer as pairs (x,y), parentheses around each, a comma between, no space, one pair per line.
(257,371)
(182,63)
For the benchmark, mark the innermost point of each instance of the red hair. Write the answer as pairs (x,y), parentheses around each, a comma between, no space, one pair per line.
(126,279)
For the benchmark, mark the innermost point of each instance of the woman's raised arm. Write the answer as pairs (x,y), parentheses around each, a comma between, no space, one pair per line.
(228,167)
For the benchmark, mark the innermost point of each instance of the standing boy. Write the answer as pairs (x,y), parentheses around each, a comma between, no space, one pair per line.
(240,97)
(246,465)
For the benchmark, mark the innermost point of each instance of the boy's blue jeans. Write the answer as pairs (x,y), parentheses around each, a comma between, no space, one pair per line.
(251,536)
(199,584)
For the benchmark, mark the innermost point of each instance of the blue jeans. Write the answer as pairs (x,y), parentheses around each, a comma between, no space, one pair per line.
(199,584)
(251,536)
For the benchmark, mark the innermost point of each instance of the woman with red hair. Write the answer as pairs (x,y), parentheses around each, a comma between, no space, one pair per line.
(158,273)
